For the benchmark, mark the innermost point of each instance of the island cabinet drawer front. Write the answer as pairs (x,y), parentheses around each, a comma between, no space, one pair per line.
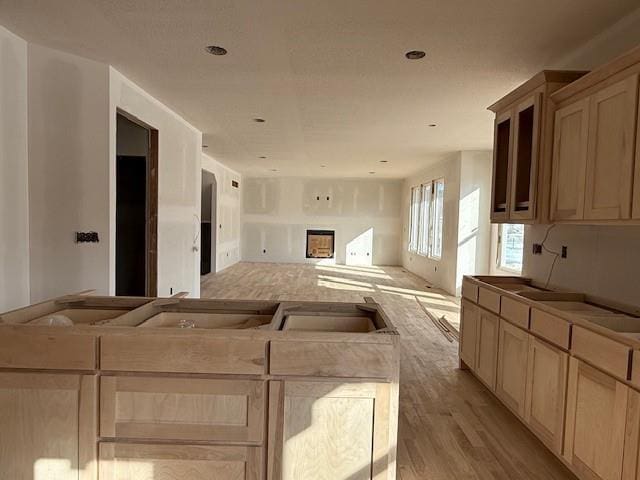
(470,291)
(515,312)
(47,351)
(137,461)
(182,409)
(554,329)
(489,300)
(182,354)
(604,353)
(332,359)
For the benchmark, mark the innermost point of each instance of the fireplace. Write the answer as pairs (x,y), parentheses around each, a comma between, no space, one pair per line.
(320,243)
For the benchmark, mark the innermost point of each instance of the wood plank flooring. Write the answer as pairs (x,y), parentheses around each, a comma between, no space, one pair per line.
(451,427)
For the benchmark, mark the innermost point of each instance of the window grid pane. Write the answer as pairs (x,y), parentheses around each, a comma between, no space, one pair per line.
(425,216)
(511,248)
(437,219)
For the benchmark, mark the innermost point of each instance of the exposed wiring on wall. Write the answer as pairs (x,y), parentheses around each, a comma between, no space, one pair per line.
(556,255)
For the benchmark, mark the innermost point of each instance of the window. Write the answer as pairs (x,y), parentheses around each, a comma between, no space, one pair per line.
(510,247)
(426,219)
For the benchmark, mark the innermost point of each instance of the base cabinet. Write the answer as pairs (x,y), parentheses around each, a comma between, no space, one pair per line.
(546,392)
(137,461)
(326,430)
(595,422)
(513,351)
(487,348)
(48,426)
(469,333)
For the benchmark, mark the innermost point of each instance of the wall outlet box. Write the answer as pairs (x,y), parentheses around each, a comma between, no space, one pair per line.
(564,251)
(537,249)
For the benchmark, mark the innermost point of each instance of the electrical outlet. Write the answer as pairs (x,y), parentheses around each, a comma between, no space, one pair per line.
(564,251)
(537,249)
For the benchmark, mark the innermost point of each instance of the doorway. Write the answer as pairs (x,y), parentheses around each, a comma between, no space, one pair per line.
(209,221)
(136,207)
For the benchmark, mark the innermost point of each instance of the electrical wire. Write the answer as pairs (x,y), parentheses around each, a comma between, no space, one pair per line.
(551,252)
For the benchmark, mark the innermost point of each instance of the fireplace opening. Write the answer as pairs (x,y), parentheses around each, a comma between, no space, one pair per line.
(320,243)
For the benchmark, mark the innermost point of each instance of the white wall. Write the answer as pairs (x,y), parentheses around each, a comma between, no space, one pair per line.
(278,211)
(467,228)
(474,223)
(602,261)
(228,208)
(441,273)
(68,172)
(14,196)
(179,165)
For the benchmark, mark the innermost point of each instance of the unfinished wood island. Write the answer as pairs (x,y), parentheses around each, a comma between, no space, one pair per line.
(122,388)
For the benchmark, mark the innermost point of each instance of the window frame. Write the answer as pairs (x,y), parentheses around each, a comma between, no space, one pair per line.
(499,250)
(425,210)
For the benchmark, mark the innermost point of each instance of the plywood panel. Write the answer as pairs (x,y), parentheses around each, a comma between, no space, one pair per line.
(569,161)
(610,159)
(182,409)
(135,461)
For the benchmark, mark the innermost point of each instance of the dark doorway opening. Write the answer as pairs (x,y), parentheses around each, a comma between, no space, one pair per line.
(136,207)
(209,222)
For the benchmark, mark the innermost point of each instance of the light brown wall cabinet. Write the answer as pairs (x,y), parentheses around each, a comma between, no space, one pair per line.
(594,153)
(513,352)
(522,149)
(338,429)
(469,334)
(595,422)
(47,426)
(546,392)
(487,348)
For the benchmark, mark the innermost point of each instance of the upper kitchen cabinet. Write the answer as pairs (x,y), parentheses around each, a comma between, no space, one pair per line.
(523,144)
(594,155)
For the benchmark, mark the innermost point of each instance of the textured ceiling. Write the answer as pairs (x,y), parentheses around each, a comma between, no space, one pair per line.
(329,76)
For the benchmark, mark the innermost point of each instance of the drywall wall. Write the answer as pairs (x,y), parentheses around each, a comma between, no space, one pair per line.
(14,196)
(68,172)
(365,215)
(179,161)
(441,273)
(466,227)
(474,223)
(228,207)
(602,261)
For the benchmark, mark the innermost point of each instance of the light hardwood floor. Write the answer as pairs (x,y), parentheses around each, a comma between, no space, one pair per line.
(451,427)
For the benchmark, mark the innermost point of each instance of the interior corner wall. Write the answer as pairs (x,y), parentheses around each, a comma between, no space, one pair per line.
(179,173)
(603,261)
(14,180)
(441,273)
(68,167)
(228,208)
(278,211)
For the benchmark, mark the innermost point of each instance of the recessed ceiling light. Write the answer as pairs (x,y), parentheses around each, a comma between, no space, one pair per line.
(259,120)
(433,125)
(372,173)
(263,157)
(323,166)
(214,50)
(384,161)
(205,146)
(415,54)
(274,169)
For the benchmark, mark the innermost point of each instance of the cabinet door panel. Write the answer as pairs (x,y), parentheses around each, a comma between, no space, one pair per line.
(610,159)
(468,333)
(324,430)
(569,161)
(502,158)
(487,348)
(524,170)
(595,423)
(134,461)
(47,427)
(182,409)
(513,350)
(545,394)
